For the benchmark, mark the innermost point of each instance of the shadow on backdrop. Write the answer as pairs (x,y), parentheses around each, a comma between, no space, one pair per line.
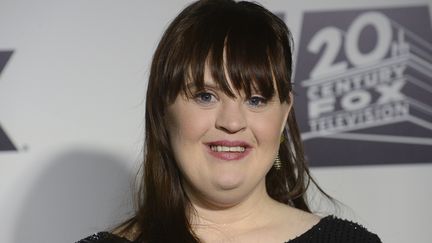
(79,193)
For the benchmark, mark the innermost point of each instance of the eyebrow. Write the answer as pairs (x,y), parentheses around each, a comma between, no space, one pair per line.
(192,85)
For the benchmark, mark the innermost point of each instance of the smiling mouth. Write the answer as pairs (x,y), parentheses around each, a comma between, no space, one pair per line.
(234,149)
(229,150)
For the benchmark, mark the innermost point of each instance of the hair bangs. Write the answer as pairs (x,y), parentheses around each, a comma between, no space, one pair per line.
(242,50)
(247,58)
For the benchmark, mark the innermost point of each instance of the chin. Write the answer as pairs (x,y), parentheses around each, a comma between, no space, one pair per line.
(228,182)
(225,199)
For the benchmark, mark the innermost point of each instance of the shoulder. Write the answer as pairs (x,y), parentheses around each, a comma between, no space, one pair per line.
(334,229)
(103,237)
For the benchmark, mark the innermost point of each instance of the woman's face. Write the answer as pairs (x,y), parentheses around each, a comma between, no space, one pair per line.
(224,146)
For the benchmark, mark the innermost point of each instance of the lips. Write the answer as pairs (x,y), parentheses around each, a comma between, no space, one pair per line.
(228,150)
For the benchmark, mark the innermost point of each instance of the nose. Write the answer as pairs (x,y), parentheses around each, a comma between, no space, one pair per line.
(231,117)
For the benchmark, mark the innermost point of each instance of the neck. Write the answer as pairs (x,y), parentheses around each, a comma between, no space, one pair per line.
(246,213)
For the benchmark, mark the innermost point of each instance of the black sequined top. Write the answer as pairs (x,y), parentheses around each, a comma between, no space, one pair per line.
(328,230)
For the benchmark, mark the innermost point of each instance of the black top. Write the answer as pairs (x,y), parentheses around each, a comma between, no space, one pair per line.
(328,230)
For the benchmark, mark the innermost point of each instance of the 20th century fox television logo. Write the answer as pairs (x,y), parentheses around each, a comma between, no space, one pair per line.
(364,79)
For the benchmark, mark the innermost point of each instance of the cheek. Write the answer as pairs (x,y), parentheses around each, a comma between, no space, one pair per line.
(186,128)
(268,129)
(186,125)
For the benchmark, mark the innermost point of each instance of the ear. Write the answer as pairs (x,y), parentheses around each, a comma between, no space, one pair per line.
(286,109)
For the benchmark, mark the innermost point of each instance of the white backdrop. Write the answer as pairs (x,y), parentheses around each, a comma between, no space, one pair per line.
(71,101)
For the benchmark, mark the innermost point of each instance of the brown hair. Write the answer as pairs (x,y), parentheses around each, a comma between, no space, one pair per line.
(253,47)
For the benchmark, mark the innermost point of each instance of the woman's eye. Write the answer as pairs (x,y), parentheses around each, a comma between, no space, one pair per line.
(256,101)
(205,98)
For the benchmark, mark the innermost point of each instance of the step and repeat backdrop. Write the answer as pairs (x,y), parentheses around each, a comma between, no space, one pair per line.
(72,89)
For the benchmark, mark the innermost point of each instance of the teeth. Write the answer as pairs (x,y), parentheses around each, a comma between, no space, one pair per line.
(220,148)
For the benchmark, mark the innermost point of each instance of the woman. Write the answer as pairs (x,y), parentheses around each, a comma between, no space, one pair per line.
(223,160)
